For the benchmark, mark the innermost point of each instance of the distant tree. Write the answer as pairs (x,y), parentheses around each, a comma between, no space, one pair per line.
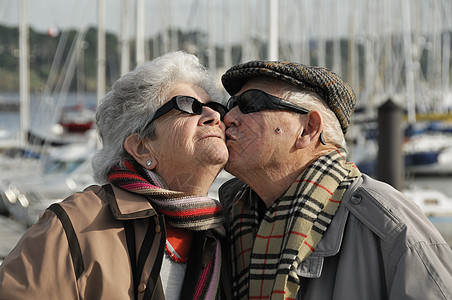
(42,51)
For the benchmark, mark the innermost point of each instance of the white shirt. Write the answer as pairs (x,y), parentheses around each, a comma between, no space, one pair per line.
(172,275)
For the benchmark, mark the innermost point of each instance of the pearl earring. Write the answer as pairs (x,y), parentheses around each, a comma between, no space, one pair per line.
(148,162)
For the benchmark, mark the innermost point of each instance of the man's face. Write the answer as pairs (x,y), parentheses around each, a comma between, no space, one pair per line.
(259,140)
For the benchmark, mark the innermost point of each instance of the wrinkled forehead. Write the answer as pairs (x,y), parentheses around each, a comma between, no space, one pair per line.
(188,89)
(269,85)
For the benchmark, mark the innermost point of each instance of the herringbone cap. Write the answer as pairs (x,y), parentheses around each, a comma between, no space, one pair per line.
(338,95)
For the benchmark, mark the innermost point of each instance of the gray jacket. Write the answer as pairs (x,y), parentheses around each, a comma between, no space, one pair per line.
(378,246)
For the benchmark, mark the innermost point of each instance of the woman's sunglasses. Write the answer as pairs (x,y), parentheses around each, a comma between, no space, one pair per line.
(188,105)
(256,100)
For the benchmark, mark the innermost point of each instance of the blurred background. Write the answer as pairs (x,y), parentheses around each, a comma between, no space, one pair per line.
(58,58)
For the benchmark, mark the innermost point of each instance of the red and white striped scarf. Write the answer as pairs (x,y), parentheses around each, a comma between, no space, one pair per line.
(181,210)
(266,255)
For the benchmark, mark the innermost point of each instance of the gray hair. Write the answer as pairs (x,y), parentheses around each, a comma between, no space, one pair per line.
(332,131)
(133,100)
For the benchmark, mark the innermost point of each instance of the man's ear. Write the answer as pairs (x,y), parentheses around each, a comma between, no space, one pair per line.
(313,127)
(140,151)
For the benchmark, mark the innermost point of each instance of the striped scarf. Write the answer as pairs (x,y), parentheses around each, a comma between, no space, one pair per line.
(181,210)
(265,256)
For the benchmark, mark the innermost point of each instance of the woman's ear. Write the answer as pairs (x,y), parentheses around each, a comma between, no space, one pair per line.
(313,127)
(140,151)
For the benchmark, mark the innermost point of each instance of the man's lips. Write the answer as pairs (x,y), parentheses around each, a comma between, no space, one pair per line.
(229,136)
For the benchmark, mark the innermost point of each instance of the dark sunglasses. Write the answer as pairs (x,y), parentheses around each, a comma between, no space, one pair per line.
(256,100)
(188,105)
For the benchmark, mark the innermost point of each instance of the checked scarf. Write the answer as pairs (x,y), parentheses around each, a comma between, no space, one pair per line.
(266,256)
(181,210)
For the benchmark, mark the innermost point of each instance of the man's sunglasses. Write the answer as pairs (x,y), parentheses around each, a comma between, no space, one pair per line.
(256,100)
(188,105)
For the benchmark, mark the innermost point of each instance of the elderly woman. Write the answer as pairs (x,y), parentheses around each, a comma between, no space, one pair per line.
(149,231)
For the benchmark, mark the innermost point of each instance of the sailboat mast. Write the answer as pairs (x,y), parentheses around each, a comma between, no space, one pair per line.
(409,72)
(140,32)
(101,49)
(125,37)
(212,50)
(273,30)
(23,70)
(227,37)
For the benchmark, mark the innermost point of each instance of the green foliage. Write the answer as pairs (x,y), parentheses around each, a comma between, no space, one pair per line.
(42,53)
(9,49)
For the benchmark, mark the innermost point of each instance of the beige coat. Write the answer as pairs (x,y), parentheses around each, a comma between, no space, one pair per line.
(41,265)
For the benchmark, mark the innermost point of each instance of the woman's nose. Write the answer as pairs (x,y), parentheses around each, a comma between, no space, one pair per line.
(210,116)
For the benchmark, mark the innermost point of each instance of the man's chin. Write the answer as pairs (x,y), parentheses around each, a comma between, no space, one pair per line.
(229,167)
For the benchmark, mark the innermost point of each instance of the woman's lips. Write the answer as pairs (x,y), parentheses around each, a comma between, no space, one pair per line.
(213,135)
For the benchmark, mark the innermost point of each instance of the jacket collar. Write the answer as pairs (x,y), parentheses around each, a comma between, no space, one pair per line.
(331,242)
(126,205)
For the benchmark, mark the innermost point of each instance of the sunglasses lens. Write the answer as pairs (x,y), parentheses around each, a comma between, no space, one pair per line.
(232,102)
(253,101)
(257,100)
(189,105)
(222,110)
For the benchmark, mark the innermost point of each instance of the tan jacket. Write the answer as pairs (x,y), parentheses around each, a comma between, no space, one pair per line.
(42,266)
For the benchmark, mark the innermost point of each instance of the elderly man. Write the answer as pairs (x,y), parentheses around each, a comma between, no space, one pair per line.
(304,223)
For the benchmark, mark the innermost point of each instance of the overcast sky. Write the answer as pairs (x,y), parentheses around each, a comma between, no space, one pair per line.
(236,20)
(43,14)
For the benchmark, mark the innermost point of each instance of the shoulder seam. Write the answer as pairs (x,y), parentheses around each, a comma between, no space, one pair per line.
(74,246)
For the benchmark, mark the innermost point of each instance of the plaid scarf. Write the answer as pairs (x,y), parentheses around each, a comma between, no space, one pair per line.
(265,256)
(180,210)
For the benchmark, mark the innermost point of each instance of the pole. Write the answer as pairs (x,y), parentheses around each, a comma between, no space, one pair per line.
(273,30)
(125,37)
(23,68)
(101,50)
(390,164)
(140,32)
(212,50)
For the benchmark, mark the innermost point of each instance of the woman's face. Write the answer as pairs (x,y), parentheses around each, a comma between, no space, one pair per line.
(187,141)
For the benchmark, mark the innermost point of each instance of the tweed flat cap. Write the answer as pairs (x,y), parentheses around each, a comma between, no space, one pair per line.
(338,95)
